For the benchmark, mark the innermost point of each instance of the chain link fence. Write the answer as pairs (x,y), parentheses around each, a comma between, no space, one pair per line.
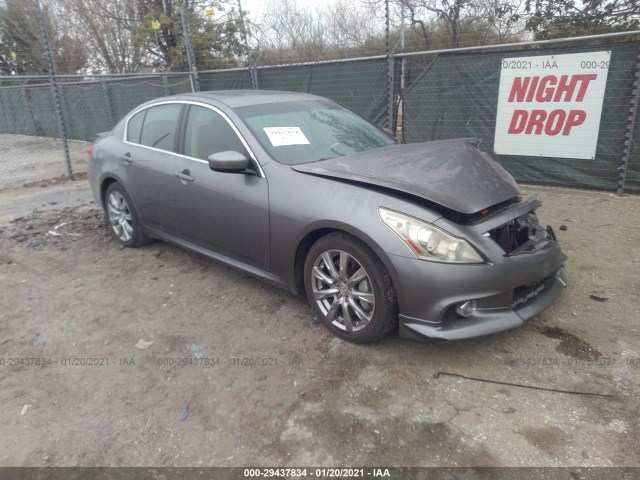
(419,96)
(29,125)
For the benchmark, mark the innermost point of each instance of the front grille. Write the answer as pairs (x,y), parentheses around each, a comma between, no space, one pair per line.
(526,293)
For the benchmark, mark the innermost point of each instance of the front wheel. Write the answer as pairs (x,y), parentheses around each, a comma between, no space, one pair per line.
(122,217)
(349,289)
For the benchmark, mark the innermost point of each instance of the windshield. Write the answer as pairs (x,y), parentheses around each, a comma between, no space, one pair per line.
(304,132)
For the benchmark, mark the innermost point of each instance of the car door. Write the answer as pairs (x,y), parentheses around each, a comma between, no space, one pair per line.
(221,211)
(147,158)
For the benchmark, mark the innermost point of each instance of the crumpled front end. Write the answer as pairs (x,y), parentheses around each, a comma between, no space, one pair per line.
(522,276)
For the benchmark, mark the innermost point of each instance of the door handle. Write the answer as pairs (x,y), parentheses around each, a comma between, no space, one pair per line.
(126,158)
(185,175)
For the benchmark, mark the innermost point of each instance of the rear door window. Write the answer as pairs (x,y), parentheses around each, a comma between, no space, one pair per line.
(159,127)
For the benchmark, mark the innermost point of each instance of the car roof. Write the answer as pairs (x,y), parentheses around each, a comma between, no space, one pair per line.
(241,98)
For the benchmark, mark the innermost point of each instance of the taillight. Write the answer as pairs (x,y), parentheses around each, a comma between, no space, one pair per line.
(90,150)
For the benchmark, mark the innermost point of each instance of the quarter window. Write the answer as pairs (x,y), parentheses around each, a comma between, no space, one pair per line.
(207,132)
(135,127)
(160,125)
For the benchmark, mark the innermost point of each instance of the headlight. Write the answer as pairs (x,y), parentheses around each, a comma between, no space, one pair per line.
(428,242)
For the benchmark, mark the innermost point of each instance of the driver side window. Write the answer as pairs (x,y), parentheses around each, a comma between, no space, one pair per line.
(207,132)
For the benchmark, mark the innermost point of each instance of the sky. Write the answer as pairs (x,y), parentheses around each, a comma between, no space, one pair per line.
(257,8)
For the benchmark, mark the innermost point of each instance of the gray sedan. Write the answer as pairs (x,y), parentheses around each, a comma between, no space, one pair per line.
(297,190)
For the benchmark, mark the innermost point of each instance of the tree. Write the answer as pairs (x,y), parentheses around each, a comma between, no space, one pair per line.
(117,36)
(20,33)
(291,33)
(216,42)
(107,31)
(448,20)
(568,18)
(435,24)
(505,19)
(449,12)
(6,59)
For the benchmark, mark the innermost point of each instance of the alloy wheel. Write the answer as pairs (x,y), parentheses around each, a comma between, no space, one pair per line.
(343,290)
(120,216)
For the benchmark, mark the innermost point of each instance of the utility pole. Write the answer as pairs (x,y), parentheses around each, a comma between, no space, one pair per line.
(195,83)
(252,68)
(55,91)
(389,121)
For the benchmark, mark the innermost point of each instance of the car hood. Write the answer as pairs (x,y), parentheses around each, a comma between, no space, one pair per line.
(451,173)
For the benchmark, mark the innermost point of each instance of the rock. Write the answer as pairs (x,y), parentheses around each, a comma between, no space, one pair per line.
(143,344)
(564,228)
(36,242)
(196,351)
(598,298)
(185,412)
(25,409)
(20,237)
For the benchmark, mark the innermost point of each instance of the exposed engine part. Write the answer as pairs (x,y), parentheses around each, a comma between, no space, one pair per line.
(521,235)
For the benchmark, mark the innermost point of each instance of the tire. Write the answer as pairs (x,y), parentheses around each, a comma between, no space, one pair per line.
(355,298)
(122,217)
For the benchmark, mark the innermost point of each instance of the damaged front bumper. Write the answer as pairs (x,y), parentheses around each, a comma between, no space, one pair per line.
(523,275)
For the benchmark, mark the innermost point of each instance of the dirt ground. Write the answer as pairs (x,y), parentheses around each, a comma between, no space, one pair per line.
(240,373)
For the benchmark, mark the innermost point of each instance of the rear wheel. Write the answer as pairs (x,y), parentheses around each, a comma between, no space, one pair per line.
(122,217)
(349,289)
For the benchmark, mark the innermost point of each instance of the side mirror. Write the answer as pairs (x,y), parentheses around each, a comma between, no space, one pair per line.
(229,161)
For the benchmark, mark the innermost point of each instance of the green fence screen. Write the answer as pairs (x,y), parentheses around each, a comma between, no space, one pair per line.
(456,95)
(445,96)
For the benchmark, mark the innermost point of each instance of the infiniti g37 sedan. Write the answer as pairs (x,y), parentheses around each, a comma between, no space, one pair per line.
(293,188)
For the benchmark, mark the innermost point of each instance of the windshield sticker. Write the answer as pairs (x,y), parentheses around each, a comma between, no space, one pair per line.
(281,136)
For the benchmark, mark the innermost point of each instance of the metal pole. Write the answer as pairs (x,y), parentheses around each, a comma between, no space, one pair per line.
(107,101)
(402,29)
(189,48)
(55,92)
(399,133)
(27,109)
(165,85)
(252,68)
(389,121)
(631,123)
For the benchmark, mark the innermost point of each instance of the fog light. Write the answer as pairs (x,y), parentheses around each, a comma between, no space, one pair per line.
(466,309)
